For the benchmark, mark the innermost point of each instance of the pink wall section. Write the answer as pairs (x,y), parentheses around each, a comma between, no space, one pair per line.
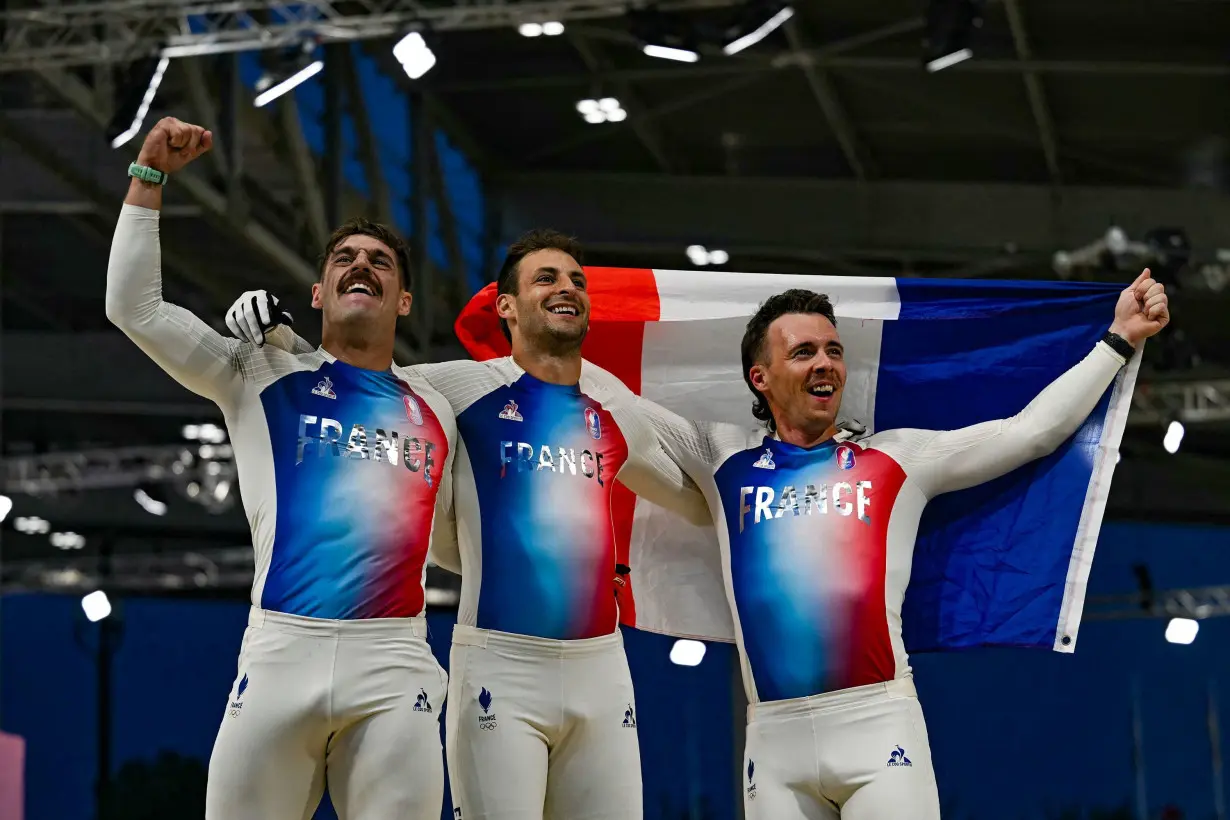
(12,760)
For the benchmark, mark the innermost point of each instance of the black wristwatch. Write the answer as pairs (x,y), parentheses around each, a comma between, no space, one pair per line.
(1119,344)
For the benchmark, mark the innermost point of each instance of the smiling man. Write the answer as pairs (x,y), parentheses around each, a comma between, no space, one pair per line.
(542,716)
(344,470)
(817,528)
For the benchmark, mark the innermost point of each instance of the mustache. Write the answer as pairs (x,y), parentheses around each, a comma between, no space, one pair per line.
(360,277)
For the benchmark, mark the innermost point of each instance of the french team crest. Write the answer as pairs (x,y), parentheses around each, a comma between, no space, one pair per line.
(593,423)
(510,412)
(413,411)
(845,457)
(324,388)
(766,460)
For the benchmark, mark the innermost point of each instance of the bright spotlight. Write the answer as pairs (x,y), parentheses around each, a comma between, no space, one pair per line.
(1174,437)
(6,506)
(96,606)
(151,505)
(415,56)
(530,29)
(687,653)
(143,107)
(553,28)
(1182,630)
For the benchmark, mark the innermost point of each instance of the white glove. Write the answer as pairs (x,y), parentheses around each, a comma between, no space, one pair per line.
(254,314)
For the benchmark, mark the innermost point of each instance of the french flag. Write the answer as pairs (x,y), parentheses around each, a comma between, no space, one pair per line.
(1002,564)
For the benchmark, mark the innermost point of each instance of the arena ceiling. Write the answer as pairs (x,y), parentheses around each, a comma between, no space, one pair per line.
(827,149)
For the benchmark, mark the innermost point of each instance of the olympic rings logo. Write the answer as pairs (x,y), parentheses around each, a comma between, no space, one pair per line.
(488,727)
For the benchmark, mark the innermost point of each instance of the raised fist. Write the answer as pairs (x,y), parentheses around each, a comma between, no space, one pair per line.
(172,144)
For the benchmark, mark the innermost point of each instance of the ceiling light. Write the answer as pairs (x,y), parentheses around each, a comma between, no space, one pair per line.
(758,31)
(270,89)
(415,56)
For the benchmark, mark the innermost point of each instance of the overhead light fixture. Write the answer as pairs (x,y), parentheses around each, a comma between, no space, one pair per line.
(700,256)
(1182,630)
(553,28)
(760,19)
(96,605)
(606,109)
(148,498)
(681,55)
(32,525)
(665,37)
(1173,437)
(530,29)
(950,27)
(130,112)
(269,88)
(949,60)
(67,540)
(207,433)
(687,652)
(6,506)
(415,56)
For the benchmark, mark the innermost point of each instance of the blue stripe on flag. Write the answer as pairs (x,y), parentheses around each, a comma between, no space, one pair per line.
(991,562)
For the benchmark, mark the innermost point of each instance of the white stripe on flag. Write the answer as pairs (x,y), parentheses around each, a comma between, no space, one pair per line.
(691,364)
(685,295)
(1090,524)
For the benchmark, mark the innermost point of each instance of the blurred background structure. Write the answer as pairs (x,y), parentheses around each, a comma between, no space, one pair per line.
(1011,139)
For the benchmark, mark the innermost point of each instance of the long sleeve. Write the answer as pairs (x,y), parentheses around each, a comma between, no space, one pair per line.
(944,461)
(181,344)
(651,471)
(284,338)
(445,550)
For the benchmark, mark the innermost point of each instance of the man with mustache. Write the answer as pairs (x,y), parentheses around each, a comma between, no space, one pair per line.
(344,467)
(817,531)
(542,716)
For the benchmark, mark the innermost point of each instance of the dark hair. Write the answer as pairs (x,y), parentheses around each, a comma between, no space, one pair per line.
(791,301)
(365,227)
(538,239)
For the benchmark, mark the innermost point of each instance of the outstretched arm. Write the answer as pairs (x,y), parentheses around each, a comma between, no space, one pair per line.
(944,461)
(185,347)
(657,468)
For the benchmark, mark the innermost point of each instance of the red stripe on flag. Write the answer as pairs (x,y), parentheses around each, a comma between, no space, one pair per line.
(621,301)
(617,295)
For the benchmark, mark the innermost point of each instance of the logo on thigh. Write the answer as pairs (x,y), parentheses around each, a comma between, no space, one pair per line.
(237,703)
(630,717)
(486,721)
(751,784)
(898,758)
(421,703)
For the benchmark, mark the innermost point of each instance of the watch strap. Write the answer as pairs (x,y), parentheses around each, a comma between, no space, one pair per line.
(1119,344)
(147,174)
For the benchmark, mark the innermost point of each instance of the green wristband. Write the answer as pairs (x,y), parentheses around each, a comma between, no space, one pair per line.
(147,174)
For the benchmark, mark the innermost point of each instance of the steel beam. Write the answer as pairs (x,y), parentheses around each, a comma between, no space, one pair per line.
(334,114)
(215,205)
(369,152)
(1194,602)
(290,133)
(454,294)
(232,95)
(102,31)
(1157,403)
(205,114)
(101,200)
(420,224)
(738,79)
(834,112)
(786,61)
(599,66)
(955,221)
(1033,88)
